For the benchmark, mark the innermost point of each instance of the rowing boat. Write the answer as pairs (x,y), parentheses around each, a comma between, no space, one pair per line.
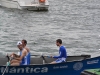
(74,65)
(40,66)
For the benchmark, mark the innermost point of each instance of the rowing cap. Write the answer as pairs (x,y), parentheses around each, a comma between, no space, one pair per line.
(19,43)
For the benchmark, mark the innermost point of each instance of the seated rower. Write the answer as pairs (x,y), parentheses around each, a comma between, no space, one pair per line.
(24,43)
(21,59)
(62,51)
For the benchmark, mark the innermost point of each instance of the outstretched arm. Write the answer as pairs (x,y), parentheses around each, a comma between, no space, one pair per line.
(61,53)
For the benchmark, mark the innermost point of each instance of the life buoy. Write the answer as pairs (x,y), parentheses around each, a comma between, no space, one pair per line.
(42,1)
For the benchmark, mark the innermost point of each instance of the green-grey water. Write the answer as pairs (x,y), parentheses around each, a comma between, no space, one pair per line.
(76,22)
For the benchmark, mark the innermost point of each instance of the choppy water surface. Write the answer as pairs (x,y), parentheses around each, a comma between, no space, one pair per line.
(76,22)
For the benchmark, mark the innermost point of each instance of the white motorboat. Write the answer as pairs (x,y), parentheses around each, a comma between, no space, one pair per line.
(26,4)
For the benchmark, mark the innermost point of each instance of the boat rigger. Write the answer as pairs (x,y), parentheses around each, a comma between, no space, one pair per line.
(26,4)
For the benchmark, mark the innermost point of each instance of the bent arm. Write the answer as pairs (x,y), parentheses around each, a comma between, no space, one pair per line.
(14,55)
(22,56)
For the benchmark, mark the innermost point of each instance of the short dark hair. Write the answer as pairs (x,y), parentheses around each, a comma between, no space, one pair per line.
(24,41)
(59,40)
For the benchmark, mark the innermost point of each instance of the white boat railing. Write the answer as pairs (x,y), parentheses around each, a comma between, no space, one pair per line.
(28,2)
(25,4)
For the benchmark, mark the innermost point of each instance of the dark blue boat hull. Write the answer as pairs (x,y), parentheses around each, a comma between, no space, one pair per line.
(68,68)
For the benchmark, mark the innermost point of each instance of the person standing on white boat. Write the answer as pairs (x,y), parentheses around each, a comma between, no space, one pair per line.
(23,57)
(62,53)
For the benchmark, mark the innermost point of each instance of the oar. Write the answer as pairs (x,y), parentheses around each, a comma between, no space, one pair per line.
(7,64)
(42,55)
(39,55)
(5,70)
(43,59)
(35,55)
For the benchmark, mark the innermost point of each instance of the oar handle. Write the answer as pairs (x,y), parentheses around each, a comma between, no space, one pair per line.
(8,58)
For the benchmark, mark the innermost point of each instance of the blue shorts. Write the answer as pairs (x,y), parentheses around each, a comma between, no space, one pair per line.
(59,61)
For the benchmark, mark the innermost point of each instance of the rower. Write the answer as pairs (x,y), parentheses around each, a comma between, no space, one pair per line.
(23,57)
(24,43)
(62,53)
